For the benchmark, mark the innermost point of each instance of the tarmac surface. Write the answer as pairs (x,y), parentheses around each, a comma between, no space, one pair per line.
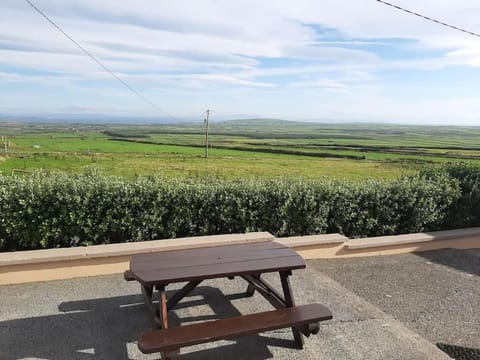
(394,307)
(435,293)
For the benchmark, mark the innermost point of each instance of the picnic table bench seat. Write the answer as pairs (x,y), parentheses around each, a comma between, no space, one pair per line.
(187,335)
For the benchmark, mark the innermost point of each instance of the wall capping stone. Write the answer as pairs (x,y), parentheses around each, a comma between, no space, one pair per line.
(122,249)
(310,240)
(54,264)
(382,241)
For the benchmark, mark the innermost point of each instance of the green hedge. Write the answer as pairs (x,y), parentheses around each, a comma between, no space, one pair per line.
(55,209)
(465,210)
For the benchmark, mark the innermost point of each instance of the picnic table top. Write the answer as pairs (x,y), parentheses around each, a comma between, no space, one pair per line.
(214,262)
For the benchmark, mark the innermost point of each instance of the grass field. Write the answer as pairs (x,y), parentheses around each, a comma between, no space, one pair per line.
(266,148)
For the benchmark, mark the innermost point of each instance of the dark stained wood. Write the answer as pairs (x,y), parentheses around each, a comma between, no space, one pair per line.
(162,261)
(250,261)
(270,289)
(128,276)
(290,302)
(208,251)
(147,292)
(266,290)
(174,338)
(251,287)
(210,271)
(180,294)
(162,304)
(207,263)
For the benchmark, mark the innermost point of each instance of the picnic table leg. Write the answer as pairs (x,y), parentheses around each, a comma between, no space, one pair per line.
(163,320)
(251,288)
(158,318)
(162,306)
(290,302)
(147,292)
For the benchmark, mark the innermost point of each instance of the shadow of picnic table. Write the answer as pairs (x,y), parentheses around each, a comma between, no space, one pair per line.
(107,328)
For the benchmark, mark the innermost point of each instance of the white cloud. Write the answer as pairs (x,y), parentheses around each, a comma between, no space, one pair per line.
(243,48)
(231,32)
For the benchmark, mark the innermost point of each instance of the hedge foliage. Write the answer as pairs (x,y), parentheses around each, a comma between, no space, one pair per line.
(56,209)
(465,210)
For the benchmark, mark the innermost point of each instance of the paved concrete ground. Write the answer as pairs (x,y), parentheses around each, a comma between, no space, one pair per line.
(436,293)
(101,318)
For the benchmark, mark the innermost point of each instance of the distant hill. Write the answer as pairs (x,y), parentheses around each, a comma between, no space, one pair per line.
(248,124)
(259,122)
(89,119)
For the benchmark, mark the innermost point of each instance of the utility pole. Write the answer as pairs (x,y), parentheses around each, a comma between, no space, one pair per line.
(206,133)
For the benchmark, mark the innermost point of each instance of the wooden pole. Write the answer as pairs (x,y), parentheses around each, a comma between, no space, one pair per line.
(206,134)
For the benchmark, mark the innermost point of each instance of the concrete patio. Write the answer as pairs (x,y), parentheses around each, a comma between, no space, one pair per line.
(395,307)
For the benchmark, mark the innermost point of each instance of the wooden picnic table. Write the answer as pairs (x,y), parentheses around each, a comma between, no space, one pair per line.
(154,271)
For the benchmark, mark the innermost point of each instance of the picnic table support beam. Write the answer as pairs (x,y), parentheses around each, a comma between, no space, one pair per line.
(180,294)
(277,301)
(251,287)
(290,302)
(147,292)
(266,290)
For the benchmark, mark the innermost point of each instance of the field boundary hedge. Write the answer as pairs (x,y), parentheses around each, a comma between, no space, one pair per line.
(250,149)
(57,209)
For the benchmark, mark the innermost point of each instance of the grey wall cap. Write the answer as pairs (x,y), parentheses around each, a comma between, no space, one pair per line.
(122,249)
(379,241)
(312,240)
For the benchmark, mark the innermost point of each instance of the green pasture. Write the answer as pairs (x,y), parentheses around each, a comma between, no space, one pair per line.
(177,164)
(265,148)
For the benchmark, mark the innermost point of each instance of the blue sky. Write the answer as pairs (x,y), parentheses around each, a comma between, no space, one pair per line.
(335,60)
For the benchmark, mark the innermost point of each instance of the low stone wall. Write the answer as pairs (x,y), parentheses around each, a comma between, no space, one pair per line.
(55,264)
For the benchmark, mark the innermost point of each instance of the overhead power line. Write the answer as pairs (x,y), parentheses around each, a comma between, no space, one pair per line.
(89,54)
(428,18)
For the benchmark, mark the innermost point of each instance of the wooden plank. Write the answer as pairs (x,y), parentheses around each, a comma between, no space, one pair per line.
(210,271)
(187,255)
(162,262)
(174,338)
(196,252)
